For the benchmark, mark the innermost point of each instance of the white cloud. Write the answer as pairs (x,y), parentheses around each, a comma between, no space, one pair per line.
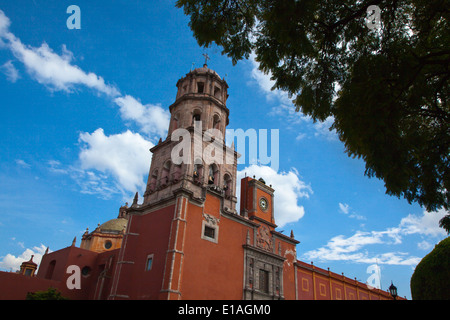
(344,208)
(22,163)
(424,245)
(11,262)
(341,248)
(125,156)
(150,118)
(266,84)
(55,167)
(4,23)
(285,108)
(351,248)
(289,189)
(427,224)
(10,71)
(300,136)
(322,129)
(49,68)
(57,72)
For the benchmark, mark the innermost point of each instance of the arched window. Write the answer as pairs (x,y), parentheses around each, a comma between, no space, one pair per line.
(217,92)
(200,87)
(216,121)
(227,184)
(196,116)
(198,171)
(165,173)
(50,269)
(153,179)
(176,175)
(175,123)
(213,174)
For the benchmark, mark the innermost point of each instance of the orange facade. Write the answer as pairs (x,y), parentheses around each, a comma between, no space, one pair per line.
(186,240)
(318,284)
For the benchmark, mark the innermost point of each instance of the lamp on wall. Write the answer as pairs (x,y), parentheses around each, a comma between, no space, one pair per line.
(393,290)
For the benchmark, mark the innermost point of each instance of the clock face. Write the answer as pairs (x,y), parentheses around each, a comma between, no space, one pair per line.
(263,203)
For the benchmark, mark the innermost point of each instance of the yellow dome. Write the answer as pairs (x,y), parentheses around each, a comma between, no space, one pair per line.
(114,225)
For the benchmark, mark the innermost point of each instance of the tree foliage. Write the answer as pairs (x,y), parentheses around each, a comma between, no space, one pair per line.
(431,278)
(49,294)
(445,223)
(386,88)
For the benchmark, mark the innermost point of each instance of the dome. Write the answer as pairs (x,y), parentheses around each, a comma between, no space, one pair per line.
(115,225)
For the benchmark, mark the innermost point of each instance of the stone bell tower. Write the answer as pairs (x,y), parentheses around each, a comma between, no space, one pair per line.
(200,115)
(191,186)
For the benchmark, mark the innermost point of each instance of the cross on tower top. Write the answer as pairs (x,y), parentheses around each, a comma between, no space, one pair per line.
(206,59)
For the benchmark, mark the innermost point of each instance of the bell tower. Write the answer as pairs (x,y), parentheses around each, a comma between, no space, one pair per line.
(191,186)
(187,230)
(200,115)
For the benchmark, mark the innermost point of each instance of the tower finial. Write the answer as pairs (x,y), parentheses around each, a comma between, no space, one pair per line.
(206,59)
(135,200)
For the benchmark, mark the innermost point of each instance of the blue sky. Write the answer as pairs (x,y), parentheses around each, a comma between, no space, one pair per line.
(79,110)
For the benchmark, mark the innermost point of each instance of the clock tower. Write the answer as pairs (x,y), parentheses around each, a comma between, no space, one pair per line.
(257,201)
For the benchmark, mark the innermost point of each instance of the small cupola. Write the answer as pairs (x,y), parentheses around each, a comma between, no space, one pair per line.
(28,268)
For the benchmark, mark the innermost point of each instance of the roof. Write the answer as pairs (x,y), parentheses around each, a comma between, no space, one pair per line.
(205,69)
(116,225)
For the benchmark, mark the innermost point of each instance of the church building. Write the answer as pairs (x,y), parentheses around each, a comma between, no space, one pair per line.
(187,239)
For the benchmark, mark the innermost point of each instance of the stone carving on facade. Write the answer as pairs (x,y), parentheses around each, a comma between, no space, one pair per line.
(211,219)
(264,239)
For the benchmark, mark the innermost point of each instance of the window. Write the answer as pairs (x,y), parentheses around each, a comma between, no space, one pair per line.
(165,173)
(210,229)
(227,185)
(213,174)
(200,87)
(174,123)
(196,116)
(108,244)
(50,269)
(149,263)
(264,281)
(216,120)
(176,175)
(209,232)
(216,92)
(153,179)
(86,271)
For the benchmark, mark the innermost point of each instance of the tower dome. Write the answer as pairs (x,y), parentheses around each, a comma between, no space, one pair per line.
(201,96)
(114,225)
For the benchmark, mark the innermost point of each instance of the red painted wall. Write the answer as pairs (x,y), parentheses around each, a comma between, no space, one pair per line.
(213,270)
(15,286)
(146,234)
(90,288)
